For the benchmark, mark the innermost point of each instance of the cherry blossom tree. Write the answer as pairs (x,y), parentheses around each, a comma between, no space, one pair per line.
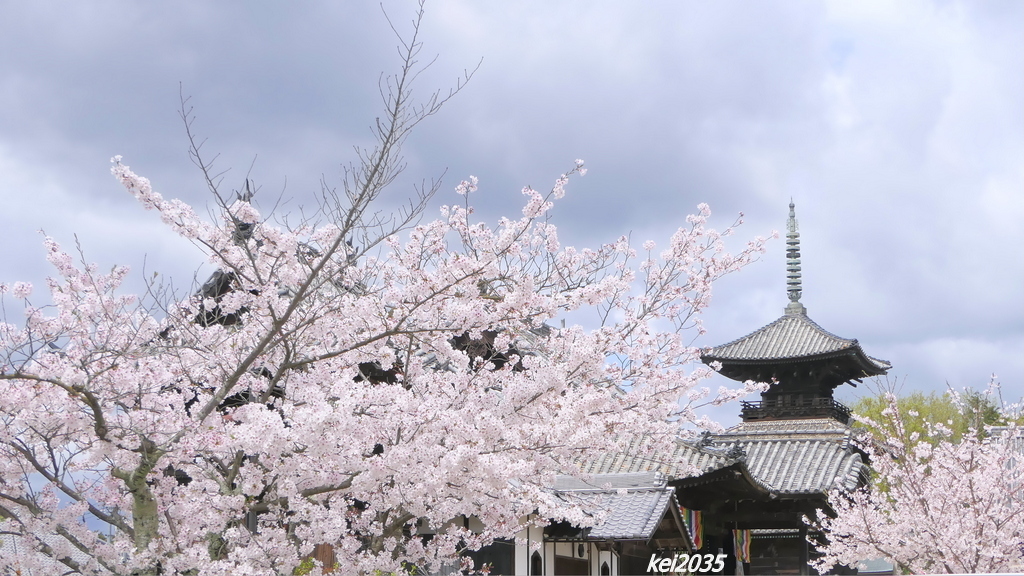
(940,502)
(350,380)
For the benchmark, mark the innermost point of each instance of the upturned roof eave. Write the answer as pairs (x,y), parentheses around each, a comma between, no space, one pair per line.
(839,347)
(730,471)
(870,365)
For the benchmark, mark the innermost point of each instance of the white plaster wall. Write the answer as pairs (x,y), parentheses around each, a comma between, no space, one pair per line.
(523,552)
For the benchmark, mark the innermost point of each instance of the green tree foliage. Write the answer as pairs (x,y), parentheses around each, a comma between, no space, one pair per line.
(959,412)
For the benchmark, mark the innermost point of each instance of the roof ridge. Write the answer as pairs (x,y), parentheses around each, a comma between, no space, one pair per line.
(818,327)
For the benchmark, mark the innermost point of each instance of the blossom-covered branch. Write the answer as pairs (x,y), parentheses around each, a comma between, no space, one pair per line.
(351,380)
(939,502)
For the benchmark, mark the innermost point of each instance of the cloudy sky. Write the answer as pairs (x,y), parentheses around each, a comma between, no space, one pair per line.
(896,127)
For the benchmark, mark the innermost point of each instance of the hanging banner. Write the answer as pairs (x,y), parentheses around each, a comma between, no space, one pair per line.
(695,524)
(741,545)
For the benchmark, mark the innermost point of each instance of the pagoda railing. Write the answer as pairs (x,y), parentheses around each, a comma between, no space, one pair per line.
(795,408)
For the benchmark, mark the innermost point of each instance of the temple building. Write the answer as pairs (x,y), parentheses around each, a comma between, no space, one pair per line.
(758,479)
(640,520)
(793,445)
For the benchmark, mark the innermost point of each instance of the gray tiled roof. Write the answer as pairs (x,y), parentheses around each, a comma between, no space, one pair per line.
(528,341)
(798,456)
(633,515)
(803,425)
(818,428)
(683,461)
(48,566)
(782,456)
(606,482)
(634,503)
(791,336)
(1011,434)
(803,466)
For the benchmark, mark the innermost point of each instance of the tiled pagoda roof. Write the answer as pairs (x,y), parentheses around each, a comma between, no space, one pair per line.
(794,340)
(792,458)
(801,458)
(792,337)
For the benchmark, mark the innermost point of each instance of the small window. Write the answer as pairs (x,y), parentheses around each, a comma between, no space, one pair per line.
(536,564)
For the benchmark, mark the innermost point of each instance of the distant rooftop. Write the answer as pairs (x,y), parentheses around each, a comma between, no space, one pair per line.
(634,503)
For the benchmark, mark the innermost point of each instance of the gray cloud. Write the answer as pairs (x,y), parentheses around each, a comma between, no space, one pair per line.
(896,128)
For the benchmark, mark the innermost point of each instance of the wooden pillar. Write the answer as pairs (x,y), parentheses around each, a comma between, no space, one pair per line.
(804,551)
(324,553)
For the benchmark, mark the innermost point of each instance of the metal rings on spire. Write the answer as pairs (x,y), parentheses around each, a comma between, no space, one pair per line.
(793,278)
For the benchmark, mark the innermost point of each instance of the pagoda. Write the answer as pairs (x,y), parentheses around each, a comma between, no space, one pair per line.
(803,362)
(793,447)
(756,481)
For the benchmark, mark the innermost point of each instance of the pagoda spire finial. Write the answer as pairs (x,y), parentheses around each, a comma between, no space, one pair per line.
(793,279)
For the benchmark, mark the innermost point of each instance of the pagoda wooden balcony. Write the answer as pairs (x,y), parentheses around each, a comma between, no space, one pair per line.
(792,408)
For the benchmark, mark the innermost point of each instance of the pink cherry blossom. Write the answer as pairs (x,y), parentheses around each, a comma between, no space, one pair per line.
(948,506)
(327,394)
(21,290)
(354,380)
